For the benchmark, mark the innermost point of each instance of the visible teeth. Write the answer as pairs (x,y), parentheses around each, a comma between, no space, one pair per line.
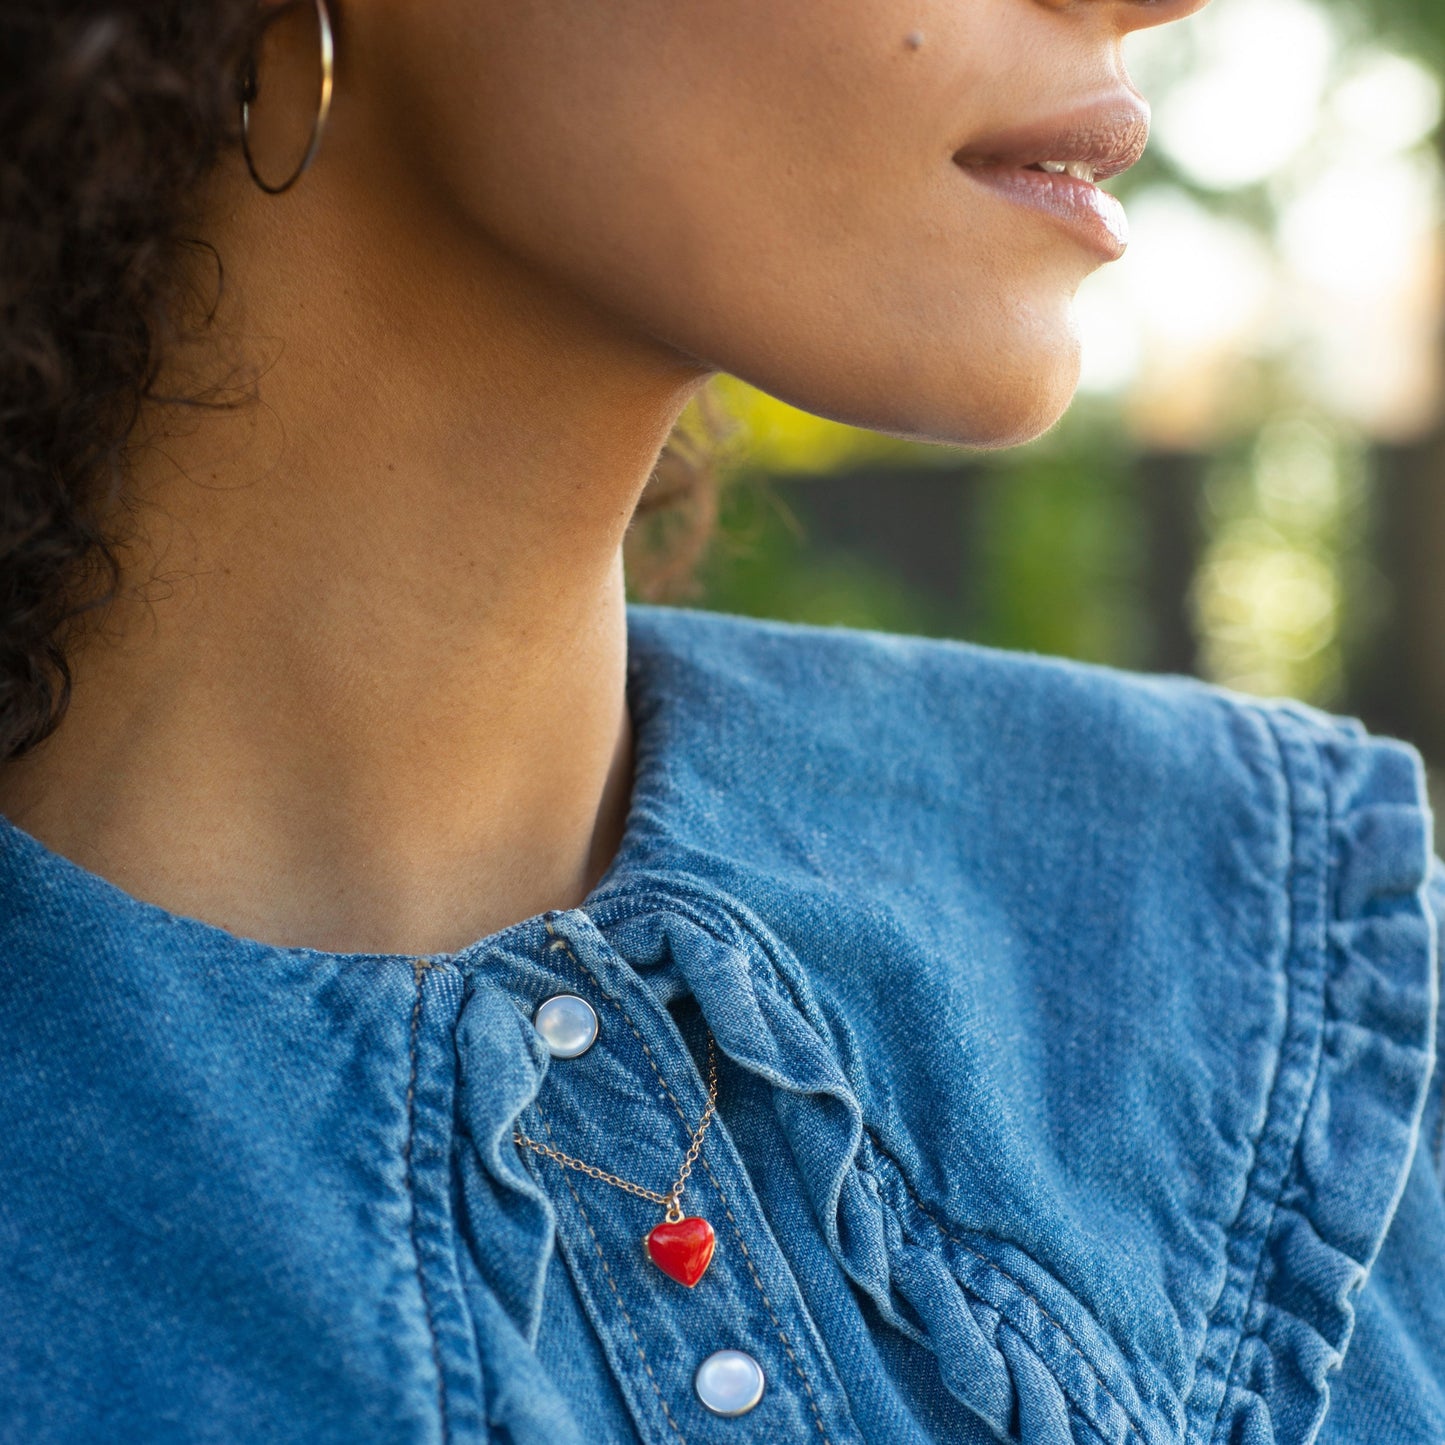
(1079,170)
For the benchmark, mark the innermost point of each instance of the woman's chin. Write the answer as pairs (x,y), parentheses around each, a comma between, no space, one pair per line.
(1023,414)
(1012,401)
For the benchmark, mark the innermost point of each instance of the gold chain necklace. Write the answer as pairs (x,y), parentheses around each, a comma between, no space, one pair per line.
(681,1246)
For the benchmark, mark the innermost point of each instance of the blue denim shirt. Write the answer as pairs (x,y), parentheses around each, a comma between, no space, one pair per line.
(1076,1036)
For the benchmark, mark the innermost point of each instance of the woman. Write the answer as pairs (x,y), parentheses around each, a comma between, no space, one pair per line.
(444,1005)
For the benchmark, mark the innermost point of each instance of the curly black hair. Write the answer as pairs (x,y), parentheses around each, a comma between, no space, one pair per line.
(111,114)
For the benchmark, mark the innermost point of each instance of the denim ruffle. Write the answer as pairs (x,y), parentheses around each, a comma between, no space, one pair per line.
(1008,1340)
(1344,1117)
(1339,1130)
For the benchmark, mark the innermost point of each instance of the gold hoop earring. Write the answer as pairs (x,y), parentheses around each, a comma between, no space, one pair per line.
(323,109)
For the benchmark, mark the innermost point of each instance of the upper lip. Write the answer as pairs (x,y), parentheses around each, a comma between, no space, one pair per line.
(1108,134)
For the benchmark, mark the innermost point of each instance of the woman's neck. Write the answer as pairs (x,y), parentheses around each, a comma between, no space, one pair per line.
(364,687)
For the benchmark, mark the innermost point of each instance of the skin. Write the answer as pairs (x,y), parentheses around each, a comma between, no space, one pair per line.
(364,688)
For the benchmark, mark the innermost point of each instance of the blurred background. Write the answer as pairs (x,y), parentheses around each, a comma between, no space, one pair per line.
(1250,484)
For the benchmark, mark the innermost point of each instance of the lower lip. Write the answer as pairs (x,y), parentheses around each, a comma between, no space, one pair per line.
(1092,216)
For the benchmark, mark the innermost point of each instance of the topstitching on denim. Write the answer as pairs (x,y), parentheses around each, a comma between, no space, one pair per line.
(420,967)
(616,1003)
(607,1271)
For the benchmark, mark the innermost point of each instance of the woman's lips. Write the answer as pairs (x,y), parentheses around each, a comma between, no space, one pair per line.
(1092,216)
(1107,135)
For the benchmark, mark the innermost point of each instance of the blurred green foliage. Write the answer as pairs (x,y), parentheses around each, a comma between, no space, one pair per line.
(1049,544)
(1415,26)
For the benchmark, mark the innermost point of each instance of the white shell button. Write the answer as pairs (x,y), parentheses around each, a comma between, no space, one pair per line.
(729,1382)
(568,1025)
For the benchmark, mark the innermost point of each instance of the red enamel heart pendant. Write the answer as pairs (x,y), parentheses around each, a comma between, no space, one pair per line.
(682,1248)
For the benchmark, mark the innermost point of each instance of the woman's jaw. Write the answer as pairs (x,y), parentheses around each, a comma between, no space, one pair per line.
(779,192)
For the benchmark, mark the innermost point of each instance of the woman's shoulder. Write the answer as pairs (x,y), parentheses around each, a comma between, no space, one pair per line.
(828,679)
(855,726)
(1137,983)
